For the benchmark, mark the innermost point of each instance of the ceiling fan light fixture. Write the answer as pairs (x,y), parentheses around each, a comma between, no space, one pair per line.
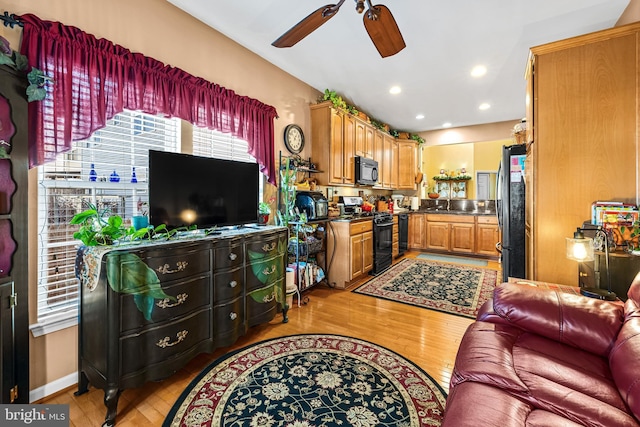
(359,6)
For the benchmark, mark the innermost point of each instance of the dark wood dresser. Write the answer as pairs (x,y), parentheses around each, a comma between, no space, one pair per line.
(147,310)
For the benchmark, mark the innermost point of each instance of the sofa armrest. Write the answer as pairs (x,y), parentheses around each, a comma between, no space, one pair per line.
(586,323)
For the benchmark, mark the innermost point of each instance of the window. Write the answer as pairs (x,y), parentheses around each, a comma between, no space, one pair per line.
(209,143)
(115,153)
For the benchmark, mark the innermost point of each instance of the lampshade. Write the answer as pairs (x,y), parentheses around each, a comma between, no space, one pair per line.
(580,249)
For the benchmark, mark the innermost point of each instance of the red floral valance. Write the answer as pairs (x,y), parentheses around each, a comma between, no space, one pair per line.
(94,79)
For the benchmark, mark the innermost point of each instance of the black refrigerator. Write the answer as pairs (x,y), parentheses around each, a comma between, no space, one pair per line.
(510,208)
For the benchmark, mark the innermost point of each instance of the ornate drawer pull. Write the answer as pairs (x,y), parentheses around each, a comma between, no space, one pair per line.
(268,247)
(166,303)
(233,316)
(269,270)
(164,342)
(233,284)
(181,266)
(233,256)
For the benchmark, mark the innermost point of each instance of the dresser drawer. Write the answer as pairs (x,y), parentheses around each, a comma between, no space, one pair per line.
(189,295)
(262,304)
(263,271)
(228,285)
(179,264)
(228,254)
(266,245)
(228,318)
(139,351)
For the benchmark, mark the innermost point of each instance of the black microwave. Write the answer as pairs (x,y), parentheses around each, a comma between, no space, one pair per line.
(366,171)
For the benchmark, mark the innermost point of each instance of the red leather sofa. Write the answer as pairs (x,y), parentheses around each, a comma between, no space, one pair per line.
(541,357)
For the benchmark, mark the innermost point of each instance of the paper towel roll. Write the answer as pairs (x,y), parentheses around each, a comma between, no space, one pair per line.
(415,203)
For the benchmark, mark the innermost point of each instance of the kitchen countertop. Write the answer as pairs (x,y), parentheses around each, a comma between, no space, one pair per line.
(455,212)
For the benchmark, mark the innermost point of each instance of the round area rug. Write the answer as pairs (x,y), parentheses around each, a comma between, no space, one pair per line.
(310,381)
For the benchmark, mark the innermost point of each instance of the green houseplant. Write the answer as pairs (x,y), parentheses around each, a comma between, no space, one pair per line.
(264,210)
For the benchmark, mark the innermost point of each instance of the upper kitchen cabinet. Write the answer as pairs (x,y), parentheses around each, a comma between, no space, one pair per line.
(333,139)
(584,121)
(363,139)
(407,164)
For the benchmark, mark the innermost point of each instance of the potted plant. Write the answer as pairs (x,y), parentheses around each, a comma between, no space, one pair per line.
(264,210)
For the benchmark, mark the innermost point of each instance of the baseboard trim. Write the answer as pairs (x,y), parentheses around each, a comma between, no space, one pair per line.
(53,387)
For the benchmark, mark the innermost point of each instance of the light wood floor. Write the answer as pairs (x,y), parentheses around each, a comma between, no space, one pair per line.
(428,338)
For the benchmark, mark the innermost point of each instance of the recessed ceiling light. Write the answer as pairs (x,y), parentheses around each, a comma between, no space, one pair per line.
(446,125)
(484,106)
(478,71)
(420,116)
(395,90)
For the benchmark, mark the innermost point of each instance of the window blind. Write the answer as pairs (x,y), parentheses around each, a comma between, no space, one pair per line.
(209,143)
(118,154)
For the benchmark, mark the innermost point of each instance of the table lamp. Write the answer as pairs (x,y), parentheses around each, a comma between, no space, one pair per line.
(580,248)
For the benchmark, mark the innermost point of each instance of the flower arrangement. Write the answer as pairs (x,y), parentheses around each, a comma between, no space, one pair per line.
(37,79)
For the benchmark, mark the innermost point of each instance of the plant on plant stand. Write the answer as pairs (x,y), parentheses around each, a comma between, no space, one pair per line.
(286,213)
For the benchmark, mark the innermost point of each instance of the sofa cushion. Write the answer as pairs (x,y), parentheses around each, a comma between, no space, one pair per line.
(585,323)
(474,404)
(485,356)
(624,358)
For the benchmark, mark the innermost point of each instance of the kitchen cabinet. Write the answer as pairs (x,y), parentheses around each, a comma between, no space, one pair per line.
(219,286)
(487,235)
(363,139)
(583,122)
(393,183)
(407,164)
(451,233)
(417,231)
(350,246)
(333,134)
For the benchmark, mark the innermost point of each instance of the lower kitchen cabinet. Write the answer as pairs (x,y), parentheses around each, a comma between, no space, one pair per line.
(451,233)
(350,247)
(195,295)
(487,235)
(395,243)
(417,231)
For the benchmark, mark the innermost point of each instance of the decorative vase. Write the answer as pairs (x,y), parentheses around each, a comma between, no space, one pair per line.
(433,195)
(93,176)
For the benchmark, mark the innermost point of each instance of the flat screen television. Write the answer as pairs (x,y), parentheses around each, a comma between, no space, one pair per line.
(187,190)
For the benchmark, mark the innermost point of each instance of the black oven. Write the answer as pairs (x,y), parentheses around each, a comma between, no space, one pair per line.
(382,242)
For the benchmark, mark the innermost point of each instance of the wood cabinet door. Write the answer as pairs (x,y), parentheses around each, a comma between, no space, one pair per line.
(387,158)
(367,251)
(360,138)
(368,142)
(393,183)
(462,238)
(357,252)
(487,235)
(407,154)
(417,231)
(438,235)
(348,149)
(336,158)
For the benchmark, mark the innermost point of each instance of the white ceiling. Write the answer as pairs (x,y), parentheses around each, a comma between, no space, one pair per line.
(445,40)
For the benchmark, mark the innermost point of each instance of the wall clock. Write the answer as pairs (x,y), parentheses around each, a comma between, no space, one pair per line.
(293,138)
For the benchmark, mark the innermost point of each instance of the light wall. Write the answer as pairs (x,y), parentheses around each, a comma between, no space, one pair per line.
(162,31)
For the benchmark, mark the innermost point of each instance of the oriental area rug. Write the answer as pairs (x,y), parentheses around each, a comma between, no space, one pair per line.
(310,381)
(453,289)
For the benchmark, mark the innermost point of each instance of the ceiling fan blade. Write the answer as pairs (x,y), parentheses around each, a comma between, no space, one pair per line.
(383,31)
(308,25)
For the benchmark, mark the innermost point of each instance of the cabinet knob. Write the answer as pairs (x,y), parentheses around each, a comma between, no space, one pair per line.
(233,256)
(233,316)
(233,284)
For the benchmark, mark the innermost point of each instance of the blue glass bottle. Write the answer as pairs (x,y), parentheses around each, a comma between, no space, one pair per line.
(114,177)
(134,178)
(93,176)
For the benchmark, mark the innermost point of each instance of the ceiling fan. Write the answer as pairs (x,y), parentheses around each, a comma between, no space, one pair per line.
(378,20)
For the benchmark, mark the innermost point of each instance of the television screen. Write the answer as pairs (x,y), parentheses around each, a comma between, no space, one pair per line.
(185,190)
